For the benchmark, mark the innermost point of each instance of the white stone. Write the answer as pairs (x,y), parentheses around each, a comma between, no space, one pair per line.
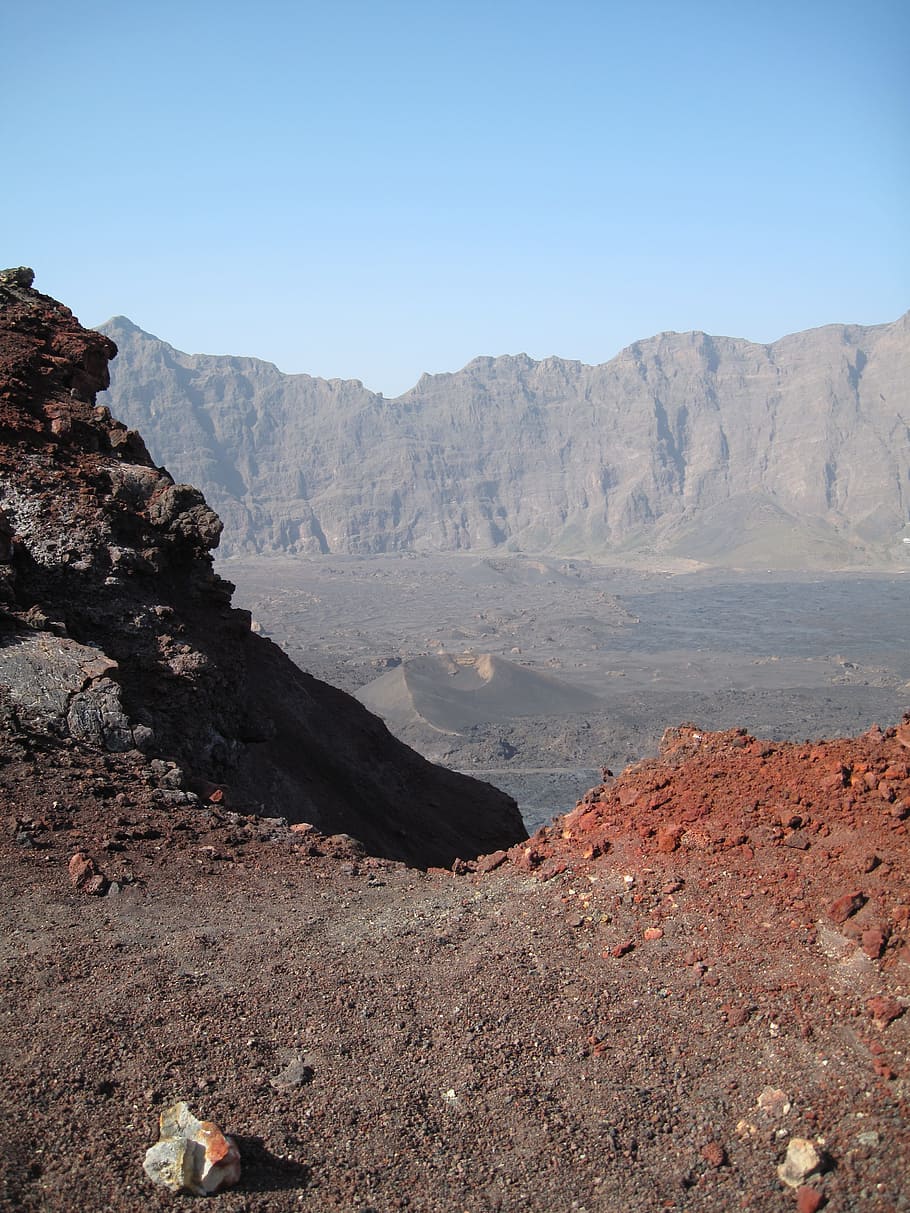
(803,1159)
(193,1156)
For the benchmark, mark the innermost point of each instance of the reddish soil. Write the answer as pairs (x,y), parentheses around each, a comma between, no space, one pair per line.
(552,1033)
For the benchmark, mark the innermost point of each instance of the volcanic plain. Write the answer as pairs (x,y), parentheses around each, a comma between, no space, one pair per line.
(533,673)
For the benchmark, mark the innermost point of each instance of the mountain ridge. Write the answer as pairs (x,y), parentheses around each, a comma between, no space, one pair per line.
(121,321)
(621,458)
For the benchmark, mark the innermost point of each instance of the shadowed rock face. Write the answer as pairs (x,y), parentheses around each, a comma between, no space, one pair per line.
(115,632)
(710,448)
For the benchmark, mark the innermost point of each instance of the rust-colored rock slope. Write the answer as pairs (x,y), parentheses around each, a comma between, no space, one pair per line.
(116,633)
(812,837)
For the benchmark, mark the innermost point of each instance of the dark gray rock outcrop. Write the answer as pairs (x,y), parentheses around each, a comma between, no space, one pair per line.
(117,635)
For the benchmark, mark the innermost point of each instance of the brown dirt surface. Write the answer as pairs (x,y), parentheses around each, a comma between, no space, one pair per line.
(645,1028)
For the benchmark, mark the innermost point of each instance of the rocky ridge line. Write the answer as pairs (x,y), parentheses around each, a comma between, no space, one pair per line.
(116,634)
(684,445)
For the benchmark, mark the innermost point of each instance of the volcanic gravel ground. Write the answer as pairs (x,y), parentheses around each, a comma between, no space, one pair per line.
(586,1023)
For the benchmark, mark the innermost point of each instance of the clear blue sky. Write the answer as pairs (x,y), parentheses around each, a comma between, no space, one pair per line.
(373,190)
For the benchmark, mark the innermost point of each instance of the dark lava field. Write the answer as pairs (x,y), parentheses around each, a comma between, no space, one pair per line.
(592,662)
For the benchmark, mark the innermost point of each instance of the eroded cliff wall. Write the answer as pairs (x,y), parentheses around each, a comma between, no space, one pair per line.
(708,447)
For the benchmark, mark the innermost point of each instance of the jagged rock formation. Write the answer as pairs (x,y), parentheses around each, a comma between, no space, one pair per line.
(116,634)
(711,448)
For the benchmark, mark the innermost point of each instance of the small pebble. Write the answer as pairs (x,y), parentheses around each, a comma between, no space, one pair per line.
(808,1200)
(714,1154)
(802,1160)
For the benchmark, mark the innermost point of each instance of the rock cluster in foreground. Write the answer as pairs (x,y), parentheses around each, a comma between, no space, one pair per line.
(818,828)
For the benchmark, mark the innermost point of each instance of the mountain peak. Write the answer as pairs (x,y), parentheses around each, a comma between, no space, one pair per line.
(19,276)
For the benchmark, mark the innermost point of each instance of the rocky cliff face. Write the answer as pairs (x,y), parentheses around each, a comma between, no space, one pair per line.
(117,637)
(708,447)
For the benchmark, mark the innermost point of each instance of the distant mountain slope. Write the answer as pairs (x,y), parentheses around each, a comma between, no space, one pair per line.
(686,444)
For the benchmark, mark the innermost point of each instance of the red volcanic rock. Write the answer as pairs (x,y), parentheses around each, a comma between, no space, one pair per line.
(846,906)
(668,839)
(737,1016)
(808,1200)
(489,863)
(873,942)
(528,859)
(81,867)
(703,819)
(714,1154)
(84,874)
(883,1010)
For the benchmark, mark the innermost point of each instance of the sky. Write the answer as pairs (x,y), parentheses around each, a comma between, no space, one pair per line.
(374,190)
